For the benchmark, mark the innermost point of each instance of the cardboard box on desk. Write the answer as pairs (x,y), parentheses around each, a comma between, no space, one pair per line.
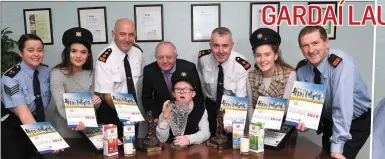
(256,136)
(238,129)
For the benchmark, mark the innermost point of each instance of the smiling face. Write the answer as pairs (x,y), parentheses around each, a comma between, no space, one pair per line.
(32,54)
(265,58)
(165,56)
(221,46)
(124,34)
(183,92)
(78,54)
(313,47)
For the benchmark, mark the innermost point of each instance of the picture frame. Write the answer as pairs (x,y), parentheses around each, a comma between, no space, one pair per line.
(39,22)
(330,28)
(204,19)
(149,23)
(95,20)
(255,14)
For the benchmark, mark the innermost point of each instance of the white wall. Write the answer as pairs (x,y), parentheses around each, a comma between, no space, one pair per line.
(357,41)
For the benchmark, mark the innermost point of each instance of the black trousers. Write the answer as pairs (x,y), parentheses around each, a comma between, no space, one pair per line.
(15,144)
(360,131)
(107,115)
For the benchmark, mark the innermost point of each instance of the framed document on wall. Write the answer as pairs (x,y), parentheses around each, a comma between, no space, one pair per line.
(39,22)
(204,19)
(95,20)
(149,22)
(256,16)
(330,28)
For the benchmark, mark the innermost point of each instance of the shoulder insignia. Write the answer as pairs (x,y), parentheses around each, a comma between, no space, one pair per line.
(301,63)
(42,64)
(11,90)
(12,71)
(137,46)
(204,52)
(334,60)
(243,62)
(104,56)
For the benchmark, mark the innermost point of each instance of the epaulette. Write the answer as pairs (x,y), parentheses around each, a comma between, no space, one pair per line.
(301,63)
(12,71)
(104,56)
(42,64)
(136,45)
(243,62)
(334,60)
(204,52)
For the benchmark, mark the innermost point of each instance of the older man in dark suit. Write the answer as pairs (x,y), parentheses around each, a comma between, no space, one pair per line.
(157,77)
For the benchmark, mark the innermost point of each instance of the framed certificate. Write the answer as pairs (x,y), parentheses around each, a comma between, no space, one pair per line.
(256,16)
(204,19)
(39,22)
(329,27)
(148,23)
(95,20)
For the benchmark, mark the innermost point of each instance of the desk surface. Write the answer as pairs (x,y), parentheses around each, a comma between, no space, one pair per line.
(301,149)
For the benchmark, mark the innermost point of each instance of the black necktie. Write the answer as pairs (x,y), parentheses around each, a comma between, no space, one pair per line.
(219,86)
(130,81)
(38,100)
(317,80)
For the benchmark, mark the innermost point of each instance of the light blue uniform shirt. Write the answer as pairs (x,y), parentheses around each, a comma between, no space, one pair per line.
(20,87)
(378,146)
(346,95)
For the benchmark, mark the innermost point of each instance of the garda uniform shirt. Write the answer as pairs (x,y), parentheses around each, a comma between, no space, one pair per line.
(346,94)
(110,75)
(17,86)
(235,71)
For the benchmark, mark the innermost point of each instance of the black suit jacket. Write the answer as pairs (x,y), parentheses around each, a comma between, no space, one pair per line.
(155,91)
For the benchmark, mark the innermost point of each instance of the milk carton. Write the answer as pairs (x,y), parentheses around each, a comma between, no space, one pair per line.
(256,135)
(238,129)
(110,140)
(129,133)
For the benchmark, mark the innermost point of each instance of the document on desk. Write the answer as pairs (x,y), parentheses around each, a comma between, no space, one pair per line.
(305,105)
(126,107)
(79,108)
(44,136)
(95,135)
(235,109)
(270,111)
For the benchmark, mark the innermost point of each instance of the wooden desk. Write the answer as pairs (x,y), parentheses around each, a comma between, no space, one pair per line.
(301,149)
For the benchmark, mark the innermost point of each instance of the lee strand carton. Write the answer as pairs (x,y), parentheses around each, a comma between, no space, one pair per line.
(238,128)
(110,140)
(129,132)
(256,135)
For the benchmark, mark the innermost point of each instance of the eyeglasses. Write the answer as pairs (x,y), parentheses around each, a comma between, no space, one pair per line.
(183,90)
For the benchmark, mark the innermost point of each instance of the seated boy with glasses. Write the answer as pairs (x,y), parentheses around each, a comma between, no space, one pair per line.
(197,126)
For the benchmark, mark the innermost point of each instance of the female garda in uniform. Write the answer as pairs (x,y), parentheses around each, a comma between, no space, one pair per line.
(73,75)
(25,95)
(272,76)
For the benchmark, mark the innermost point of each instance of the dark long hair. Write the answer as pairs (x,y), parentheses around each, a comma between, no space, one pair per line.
(66,63)
(279,60)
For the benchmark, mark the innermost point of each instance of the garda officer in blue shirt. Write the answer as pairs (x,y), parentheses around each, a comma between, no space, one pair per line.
(25,95)
(345,121)
(378,146)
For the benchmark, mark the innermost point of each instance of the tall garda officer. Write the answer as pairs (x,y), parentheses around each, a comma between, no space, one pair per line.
(345,121)
(224,72)
(25,95)
(119,68)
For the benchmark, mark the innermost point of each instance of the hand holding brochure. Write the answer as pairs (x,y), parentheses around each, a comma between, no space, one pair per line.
(126,107)
(79,108)
(306,103)
(44,136)
(270,111)
(235,109)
